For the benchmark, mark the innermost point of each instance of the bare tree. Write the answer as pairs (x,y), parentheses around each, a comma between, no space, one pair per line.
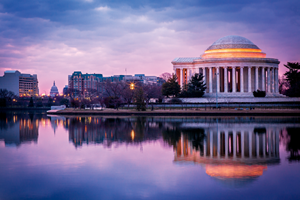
(165,76)
(152,91)
(127,94)
(115,91)
(7,96)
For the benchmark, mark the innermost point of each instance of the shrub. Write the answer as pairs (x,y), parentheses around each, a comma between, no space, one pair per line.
(175,100)
(31,102)
(259,93)
(112,102)
(195,87)
(139,99)
(2,102)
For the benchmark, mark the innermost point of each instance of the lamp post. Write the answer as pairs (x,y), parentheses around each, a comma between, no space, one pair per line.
(132,86)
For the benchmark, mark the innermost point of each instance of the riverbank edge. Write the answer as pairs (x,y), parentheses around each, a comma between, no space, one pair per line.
(183,113)
(25,108)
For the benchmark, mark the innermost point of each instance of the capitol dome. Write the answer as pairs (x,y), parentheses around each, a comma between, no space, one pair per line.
(54,90)
(233,46)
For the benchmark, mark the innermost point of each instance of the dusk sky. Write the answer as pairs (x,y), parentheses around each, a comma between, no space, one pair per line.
(55,38)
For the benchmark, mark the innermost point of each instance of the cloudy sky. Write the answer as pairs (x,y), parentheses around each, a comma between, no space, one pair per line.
(54,38)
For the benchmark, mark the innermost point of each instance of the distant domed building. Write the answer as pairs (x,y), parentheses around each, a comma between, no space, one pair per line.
(233,67)
(54,90)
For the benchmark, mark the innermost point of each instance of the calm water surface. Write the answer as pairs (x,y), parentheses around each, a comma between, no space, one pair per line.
(54,157)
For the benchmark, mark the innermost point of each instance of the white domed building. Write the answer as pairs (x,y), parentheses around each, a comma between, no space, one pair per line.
(54,90)
(233,67)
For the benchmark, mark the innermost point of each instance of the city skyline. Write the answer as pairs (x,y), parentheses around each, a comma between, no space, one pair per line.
(54,39)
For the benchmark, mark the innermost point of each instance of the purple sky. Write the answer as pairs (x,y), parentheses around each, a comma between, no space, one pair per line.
(54,38)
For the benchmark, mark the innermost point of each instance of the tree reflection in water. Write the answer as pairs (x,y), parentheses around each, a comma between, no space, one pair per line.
(291,138)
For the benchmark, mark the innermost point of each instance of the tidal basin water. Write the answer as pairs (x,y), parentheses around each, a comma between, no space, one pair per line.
(56,157)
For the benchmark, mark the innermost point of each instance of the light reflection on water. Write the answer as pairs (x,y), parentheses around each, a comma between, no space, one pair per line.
(56,157)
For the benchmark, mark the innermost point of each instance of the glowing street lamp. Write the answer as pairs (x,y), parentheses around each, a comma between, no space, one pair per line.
(132,86)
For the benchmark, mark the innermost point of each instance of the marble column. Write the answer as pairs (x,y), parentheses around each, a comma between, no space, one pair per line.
(211,143)
(219,143)
(242,144)
(225,79)
(277,142)
(204,146)
(269,80)
(256,78)
(276,81)
(242,79)
(249,79)
(234,144)
(226,144)
(181,78)
(264,145)
(190,147)
(269,142)
(218,79)
(210,80)
(274,142)
(263,86)
(233,80)
(250,144)
(257,145)
(204,75)
(182,145)
(272,80)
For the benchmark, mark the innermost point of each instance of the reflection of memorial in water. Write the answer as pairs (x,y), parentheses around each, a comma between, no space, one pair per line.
(232,152)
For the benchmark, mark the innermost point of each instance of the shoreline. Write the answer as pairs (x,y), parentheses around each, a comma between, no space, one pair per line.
(213,112)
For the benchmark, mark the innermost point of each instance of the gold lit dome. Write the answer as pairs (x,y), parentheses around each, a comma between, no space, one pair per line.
(233,46)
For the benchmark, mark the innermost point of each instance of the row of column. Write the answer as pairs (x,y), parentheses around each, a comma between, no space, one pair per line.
(269,77)
(234,144)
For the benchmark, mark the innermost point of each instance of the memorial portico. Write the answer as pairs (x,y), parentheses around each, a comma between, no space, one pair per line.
(232,66)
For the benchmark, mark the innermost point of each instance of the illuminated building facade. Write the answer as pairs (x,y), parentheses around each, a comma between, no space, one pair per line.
(20,84)
(83,84)
(233,67)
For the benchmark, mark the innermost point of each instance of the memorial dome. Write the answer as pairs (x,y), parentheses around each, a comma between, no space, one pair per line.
(233,42)
(233,46)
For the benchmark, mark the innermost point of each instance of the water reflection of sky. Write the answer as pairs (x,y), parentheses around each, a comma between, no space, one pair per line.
(54,167)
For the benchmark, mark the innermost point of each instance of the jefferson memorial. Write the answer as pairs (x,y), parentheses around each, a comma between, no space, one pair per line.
(232,67)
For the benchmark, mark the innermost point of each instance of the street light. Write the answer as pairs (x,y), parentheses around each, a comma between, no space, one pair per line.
(132,86)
